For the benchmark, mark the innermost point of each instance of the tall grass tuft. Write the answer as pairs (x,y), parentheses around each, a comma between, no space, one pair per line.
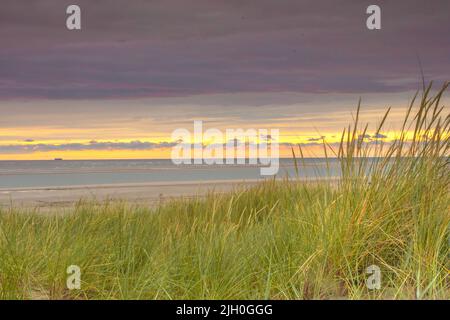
(285,239)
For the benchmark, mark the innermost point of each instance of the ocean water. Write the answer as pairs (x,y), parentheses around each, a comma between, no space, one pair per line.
(66,173)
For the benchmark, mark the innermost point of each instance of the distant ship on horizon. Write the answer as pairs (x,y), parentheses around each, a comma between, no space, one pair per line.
(58,159)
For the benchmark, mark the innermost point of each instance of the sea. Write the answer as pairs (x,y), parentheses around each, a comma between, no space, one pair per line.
(66,173)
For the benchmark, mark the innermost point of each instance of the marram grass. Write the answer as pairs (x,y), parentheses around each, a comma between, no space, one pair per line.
(278,240)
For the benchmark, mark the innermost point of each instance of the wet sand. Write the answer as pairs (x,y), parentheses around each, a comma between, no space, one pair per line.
(150,194)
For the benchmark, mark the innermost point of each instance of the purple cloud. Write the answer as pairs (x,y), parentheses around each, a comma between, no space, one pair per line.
(92,145)
(186,47)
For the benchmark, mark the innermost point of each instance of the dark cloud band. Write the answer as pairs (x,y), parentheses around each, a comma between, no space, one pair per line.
(186,47)
(93,145)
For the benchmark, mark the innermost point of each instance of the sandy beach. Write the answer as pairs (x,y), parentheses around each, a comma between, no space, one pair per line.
(60,184)
(150,194)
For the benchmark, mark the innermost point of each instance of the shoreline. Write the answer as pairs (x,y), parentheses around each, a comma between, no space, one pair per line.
(150,194)
(129,185)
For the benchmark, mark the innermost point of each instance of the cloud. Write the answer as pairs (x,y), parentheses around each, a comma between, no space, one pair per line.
(316,139)
(92,145)
(379,136)
(365,136)
(176,48)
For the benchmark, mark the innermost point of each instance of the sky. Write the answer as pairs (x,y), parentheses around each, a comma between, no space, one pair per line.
(138,70)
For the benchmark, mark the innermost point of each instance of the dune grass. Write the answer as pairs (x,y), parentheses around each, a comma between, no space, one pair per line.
(278,240)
